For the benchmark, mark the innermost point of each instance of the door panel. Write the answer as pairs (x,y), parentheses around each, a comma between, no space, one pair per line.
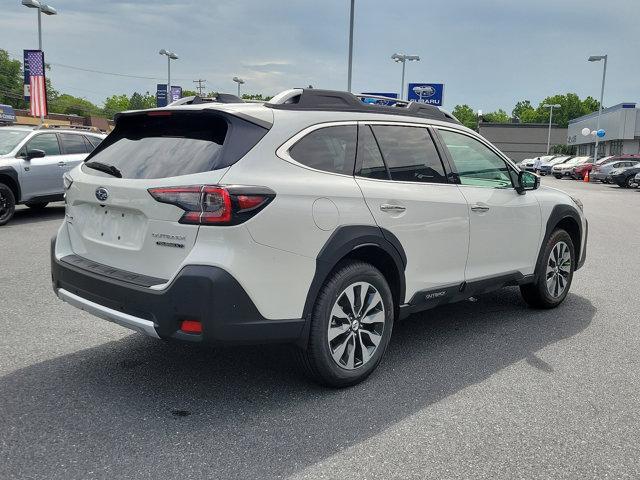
(504,226)
(429,216)
(42,176)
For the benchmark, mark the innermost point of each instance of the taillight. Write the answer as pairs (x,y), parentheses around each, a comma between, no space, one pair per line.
(215,205)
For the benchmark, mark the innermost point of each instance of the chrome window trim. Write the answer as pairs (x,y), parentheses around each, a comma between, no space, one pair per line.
(282,151)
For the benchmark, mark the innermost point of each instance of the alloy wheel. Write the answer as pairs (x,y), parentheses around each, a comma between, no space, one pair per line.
(356,325)
(558,269)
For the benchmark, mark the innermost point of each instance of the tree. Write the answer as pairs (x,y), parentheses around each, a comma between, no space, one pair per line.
(70,105)
(115,104)
(11,81)
(466,115)
(499,116)
(523,107)
(189,93)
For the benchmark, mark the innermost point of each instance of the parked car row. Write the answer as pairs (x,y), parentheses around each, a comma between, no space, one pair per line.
(621,170)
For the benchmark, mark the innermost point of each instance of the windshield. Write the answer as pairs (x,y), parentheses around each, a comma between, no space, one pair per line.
(9,139)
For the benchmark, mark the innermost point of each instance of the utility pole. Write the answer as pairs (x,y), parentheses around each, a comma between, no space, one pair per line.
(200,87)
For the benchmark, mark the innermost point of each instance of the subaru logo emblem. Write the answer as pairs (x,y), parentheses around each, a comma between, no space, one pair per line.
(102,194)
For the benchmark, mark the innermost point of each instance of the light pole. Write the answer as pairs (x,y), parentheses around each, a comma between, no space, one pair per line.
(550,107)
(170,56)
(402,58)
(350,45)
(597,58)
(239,81)
(42,8)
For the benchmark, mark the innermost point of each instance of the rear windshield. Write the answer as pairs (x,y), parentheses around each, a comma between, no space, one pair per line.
(150,146)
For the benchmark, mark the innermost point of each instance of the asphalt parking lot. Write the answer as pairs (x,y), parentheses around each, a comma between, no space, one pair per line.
(485,389)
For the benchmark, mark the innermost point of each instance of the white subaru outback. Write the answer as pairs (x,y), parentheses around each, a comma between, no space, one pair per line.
(314,219)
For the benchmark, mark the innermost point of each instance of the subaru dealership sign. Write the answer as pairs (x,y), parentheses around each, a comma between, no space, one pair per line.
(430,93)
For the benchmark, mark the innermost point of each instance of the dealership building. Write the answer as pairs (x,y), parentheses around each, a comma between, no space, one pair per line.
(621,124)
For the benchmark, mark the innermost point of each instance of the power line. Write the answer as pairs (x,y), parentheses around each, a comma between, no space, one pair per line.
(200,87)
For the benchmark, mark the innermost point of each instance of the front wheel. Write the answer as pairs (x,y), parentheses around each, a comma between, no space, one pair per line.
(351,326)
(630,181)
(557,176)
(7,204)
(554,273)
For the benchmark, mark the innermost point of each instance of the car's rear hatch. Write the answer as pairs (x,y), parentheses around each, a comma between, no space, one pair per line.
(115,221)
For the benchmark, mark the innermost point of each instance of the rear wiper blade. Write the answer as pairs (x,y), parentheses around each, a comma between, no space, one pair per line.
(103,167)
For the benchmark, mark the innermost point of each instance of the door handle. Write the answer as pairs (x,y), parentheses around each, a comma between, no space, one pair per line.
(62,164)
(385,207)
(479,208)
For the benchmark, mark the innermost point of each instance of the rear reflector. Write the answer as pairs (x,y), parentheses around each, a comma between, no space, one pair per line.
(191,326)
(213,204)
(159,113)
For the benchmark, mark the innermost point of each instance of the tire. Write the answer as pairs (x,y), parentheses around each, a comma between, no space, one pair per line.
(352,354)
(37,205)
(557,176)
(550,291)
(629,181)
(7,204)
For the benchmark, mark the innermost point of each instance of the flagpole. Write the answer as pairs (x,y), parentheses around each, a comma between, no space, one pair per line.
(40,48)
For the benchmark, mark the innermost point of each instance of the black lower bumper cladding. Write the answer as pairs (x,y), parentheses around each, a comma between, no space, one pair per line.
(204,293)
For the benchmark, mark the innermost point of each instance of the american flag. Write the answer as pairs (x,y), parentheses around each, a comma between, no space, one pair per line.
(37,83)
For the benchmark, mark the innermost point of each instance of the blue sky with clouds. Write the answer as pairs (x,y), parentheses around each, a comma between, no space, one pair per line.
(489,53)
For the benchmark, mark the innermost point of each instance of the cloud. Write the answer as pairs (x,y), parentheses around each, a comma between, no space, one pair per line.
(489,54)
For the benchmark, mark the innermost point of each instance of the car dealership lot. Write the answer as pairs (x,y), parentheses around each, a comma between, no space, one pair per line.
(489,389)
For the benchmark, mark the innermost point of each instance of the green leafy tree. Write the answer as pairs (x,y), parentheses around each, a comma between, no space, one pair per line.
(466,115)
(115,104)
(189,93)
(523,108)
(11,81)
(499,116)
(70,105)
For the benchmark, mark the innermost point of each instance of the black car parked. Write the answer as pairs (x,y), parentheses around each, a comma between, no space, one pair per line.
(625,177)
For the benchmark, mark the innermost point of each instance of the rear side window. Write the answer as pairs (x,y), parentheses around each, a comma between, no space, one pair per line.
(177,143)
(93,141)
(332,149)
(409,154)
(369,157)
(72,144)
(45,141)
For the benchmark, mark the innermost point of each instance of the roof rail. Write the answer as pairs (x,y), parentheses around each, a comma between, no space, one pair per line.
(218,98)
(85,128)
(305,99)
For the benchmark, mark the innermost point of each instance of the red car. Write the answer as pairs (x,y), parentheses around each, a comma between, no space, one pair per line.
(580,170)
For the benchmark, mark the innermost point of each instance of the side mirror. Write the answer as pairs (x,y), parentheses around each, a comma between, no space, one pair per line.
(527,181)
(35,153)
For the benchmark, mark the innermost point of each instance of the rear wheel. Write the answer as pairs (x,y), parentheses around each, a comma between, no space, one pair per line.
(7,204)
(554,273)
(36,205)
(351,326)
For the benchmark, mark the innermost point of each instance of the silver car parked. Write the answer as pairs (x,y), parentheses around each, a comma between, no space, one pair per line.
(33,161)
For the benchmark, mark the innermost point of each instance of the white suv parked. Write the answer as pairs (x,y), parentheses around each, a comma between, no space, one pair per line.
(33,161)
(313,219)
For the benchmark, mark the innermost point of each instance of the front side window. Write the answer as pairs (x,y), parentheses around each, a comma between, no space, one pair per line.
(331,149)
(73,143)
(9,139)
(476,164)
(48,142)
(409,154)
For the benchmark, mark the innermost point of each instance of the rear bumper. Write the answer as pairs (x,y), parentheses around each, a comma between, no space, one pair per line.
(205,293)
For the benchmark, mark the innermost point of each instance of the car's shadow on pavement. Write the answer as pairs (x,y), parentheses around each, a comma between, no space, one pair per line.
(192,412)
(26,215)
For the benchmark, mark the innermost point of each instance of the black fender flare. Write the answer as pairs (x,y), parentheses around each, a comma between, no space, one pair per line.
(13,175)
(346,239)
(558,214)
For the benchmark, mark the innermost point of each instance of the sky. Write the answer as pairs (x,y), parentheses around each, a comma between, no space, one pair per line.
(488,53)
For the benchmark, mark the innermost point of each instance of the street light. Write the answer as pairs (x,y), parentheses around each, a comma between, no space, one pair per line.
(402,58)
(239,81)
(350,46)
(42,8)
(170,56)
(550,107)
(597,58)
